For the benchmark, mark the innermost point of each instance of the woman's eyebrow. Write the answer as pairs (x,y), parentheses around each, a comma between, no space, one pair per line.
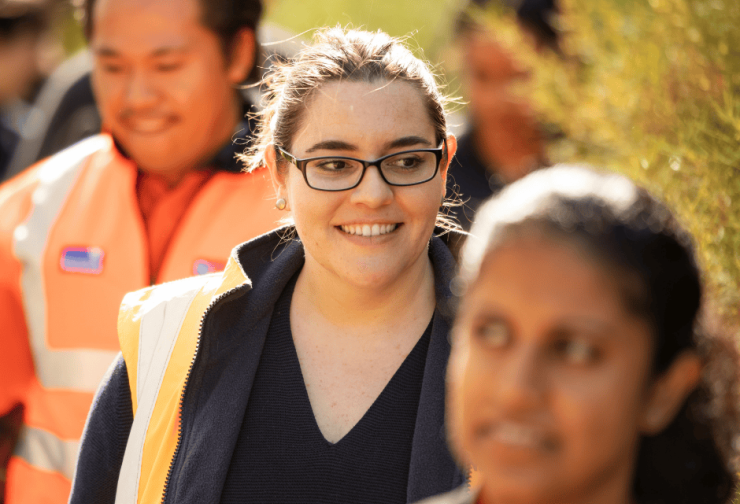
(332,145)
(409,141)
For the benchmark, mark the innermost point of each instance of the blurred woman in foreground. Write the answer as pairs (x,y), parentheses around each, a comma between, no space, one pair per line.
(580,373)
(312,370)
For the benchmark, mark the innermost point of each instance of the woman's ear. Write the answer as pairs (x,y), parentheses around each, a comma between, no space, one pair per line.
(451,150)
(241,56)
(278,177)
(669,391)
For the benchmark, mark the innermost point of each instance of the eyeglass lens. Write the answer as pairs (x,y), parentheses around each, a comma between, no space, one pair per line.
(406,168)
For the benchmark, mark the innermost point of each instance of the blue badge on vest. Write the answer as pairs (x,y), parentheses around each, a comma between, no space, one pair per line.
(204,266)
(87,260)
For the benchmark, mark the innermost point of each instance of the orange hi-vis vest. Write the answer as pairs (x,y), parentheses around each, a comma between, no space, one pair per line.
(72,243)
(159,330)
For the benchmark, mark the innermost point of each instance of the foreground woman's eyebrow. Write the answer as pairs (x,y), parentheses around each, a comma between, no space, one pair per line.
(408,141)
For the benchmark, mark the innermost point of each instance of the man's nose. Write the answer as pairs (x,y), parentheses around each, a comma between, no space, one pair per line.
(140,91)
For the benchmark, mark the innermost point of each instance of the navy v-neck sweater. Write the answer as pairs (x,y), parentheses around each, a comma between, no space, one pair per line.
(281,456)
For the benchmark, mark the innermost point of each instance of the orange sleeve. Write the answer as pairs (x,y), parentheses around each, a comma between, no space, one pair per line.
(16,362)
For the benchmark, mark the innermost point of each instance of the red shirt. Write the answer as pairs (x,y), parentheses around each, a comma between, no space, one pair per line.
(162,208)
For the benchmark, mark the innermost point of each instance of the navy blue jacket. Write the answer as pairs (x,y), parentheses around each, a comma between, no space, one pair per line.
(227,361)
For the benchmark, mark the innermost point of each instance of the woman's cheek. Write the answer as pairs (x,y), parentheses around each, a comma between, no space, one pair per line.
(458,402)
(597,414)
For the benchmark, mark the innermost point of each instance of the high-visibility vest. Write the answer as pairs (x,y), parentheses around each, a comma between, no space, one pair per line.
(159,330)
(72,243)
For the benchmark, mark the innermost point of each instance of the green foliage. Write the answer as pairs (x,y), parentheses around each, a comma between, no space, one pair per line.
(425,20)
(652,89)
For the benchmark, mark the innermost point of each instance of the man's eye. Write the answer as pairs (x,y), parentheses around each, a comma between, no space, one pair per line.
(168,67)
(112,69)
(576,351)
(494,334)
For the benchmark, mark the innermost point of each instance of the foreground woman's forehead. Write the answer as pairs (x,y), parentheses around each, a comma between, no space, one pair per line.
(360,113)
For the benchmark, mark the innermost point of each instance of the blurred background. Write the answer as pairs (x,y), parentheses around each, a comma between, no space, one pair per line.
(650,88)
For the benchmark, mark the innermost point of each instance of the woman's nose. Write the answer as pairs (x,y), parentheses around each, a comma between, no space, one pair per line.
(373,191)
(520,388)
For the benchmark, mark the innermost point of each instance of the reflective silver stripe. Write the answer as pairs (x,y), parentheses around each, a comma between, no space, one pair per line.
(162,316)
(44,450)
(82,369)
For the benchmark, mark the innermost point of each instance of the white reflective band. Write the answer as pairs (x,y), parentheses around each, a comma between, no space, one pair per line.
(162,317)
(46,451)
(79,370)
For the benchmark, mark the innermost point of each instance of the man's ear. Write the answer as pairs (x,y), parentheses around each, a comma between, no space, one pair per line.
(241,57)
(669,391)
(451,150)
(278,177)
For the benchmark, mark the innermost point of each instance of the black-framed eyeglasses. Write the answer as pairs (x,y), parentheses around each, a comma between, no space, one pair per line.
(340,173)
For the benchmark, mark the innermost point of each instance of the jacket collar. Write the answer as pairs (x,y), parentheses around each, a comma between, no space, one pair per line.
(233,337)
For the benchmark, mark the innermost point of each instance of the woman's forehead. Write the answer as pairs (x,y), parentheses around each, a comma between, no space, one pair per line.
(364,114)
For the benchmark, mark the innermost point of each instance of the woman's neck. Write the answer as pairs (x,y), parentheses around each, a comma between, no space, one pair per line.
(367,309)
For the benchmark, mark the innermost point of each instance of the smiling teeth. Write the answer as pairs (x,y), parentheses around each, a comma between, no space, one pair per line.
(516,435)
(368,230)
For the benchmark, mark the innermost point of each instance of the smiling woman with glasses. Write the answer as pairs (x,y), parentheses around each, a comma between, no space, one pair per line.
(312,370)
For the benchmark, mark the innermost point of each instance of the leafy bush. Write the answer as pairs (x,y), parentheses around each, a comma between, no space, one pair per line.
(652,89)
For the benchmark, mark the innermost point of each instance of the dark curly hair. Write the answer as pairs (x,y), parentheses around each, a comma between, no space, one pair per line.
(225,18)
(636,237)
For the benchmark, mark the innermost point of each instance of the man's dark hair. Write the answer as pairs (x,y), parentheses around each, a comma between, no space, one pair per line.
(22,17)
(223,17)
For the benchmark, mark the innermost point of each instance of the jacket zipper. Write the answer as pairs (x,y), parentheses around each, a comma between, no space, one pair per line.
(213,303)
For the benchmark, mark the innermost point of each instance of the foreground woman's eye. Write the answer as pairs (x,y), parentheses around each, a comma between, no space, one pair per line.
(493,333)
(406,162)
(576,351)
(332,165)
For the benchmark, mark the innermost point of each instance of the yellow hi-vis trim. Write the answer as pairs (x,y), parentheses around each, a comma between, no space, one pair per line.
(129,327)
(160,441)
(162,435)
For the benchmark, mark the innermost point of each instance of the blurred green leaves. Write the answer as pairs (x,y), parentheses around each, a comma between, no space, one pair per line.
(652,89)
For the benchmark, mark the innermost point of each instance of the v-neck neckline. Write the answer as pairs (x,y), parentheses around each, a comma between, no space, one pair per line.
(305,400)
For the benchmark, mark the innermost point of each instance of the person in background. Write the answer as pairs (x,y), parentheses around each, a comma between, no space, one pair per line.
(65,112)
(581,371)
(503,140)
(22,25)
(157,197)
(312,370)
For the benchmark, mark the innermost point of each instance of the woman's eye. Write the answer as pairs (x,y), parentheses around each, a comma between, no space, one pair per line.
(577,352)
(406,162)
(334,164)
(494,334)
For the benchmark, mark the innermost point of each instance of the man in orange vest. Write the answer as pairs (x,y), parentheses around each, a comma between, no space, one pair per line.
(158,196)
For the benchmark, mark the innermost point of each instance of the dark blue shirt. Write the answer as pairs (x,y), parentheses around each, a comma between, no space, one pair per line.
(281,455)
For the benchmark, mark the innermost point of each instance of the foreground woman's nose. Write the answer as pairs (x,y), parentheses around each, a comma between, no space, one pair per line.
(519,386)
(373,190)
